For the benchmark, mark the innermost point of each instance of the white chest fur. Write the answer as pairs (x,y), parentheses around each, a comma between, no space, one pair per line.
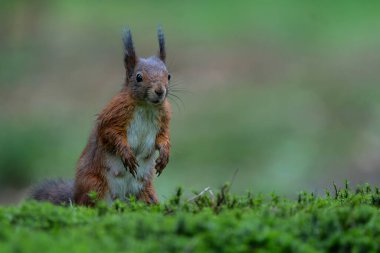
(141,136)
(142,131)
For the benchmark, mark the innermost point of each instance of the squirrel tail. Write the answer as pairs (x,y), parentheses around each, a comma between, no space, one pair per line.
(56,191)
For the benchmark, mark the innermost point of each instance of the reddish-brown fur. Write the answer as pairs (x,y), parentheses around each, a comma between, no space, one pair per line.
(146,86)
(110,135)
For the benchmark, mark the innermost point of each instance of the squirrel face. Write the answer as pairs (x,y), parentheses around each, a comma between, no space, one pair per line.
(150,81)
(147,78)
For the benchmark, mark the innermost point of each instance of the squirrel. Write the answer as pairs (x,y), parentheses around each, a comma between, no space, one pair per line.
(121,157)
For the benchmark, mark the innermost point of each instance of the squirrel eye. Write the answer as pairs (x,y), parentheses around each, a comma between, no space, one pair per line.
(139,78)
(169,76)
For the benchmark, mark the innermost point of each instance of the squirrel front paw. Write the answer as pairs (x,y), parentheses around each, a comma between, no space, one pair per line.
(162,161)
(130,162)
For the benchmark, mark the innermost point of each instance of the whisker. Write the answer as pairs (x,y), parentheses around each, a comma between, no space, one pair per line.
(175,102)
(177,97)
(174,85)
(179,91)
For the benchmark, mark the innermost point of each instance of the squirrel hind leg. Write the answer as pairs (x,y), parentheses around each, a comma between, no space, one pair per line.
(56,191)
(148,194)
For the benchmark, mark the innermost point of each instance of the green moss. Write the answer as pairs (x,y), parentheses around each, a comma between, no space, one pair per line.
(342,221)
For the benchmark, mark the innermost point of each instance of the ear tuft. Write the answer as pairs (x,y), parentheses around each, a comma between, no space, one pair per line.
(161,42)
(129,52)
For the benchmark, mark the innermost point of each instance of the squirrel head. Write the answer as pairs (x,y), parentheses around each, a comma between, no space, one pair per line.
(146,78)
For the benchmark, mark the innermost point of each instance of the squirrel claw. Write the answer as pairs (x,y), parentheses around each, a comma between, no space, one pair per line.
(131,165)
(161,163)
(133,172)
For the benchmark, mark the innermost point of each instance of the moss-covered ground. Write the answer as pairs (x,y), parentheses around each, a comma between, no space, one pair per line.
(345,220)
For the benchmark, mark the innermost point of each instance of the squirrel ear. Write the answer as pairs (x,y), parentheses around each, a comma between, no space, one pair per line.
(129,52)
(161,42)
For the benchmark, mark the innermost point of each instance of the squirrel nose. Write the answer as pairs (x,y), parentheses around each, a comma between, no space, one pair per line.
(159,92)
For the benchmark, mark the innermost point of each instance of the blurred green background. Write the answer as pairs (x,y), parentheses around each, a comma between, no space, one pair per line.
(284,93)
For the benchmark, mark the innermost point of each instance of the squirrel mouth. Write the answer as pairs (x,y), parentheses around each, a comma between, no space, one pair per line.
(156,102)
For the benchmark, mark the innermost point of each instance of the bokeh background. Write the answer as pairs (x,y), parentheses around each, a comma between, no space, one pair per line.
(284,95)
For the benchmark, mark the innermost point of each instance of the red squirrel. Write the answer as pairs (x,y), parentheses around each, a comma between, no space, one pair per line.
(120,157)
